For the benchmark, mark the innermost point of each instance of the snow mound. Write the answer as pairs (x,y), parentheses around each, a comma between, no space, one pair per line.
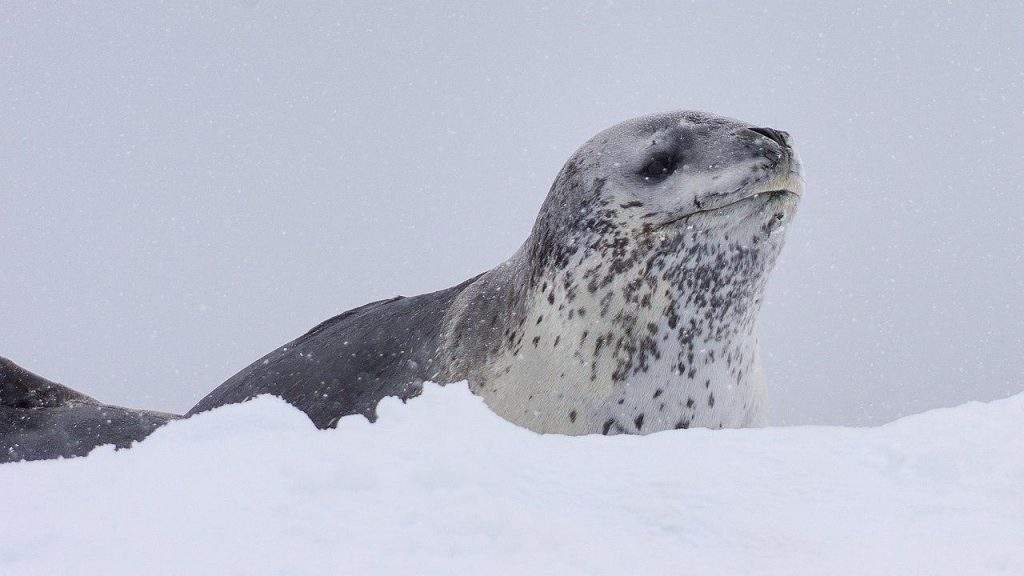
(443,486)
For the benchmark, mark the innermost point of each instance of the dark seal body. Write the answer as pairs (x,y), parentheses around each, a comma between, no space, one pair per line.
(631,308)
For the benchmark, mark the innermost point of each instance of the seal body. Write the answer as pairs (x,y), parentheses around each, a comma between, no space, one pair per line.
(631,308)
(347,364)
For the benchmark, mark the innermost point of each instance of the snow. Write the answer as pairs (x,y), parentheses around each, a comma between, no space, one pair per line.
(443,486)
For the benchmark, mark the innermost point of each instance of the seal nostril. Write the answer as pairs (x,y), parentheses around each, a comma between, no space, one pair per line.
(776,136)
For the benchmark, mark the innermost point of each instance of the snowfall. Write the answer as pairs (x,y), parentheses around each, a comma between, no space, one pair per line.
(440,485)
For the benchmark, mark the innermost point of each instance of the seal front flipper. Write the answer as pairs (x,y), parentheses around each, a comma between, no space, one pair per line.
(41,419)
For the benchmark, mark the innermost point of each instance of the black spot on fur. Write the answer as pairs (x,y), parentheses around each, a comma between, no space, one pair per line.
(607,426)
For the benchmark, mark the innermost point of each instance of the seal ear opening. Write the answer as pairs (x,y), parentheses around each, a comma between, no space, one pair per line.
(20,388)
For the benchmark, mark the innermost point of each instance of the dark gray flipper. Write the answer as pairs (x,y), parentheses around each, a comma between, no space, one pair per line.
(347,364)
(41,419)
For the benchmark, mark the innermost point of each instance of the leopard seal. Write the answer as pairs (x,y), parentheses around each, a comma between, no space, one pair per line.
(631,308)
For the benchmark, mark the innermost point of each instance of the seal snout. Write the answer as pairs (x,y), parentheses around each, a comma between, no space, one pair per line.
(778,136)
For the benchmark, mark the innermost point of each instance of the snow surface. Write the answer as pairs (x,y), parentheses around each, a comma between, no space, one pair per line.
(443,486)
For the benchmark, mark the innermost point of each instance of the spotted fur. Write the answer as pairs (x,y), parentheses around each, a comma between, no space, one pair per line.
(626,312)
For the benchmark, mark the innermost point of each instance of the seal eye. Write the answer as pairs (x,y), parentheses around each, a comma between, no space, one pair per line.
(659,168)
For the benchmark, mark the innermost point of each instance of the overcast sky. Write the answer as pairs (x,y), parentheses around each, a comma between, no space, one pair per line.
(182,189)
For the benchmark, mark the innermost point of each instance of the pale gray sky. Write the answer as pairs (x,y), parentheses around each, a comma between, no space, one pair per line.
(185,188)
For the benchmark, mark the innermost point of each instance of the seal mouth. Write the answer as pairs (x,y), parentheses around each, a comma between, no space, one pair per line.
(771,195)
(788,184)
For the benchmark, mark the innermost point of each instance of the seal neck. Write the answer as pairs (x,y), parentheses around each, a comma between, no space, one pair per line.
(636,289)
